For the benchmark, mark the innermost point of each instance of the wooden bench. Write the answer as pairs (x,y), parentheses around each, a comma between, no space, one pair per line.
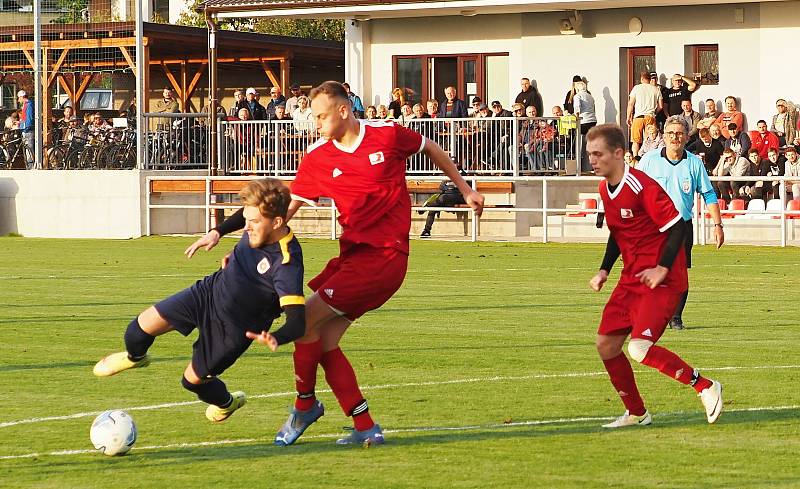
(199,186)
(423,187)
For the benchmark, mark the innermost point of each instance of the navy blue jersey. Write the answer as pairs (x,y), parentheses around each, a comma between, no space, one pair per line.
(251,291)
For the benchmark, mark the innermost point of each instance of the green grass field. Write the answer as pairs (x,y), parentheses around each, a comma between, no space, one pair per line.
(482,371)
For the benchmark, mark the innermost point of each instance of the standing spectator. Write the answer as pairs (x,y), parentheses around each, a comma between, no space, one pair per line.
(738,142)
(275,98)
(291,102)
(530,96)
(302,116)
(453,106)
(691,117)
(762,140)
(643,102)
(584,110)
(681,90)
(238,103)
(432,108)
(419,112)
(398,100)
(167,105)
(784,123)
(27,122)
(371,113)
(474,108)
(255,109)
(652,140)
(707,148)
(569,103)
(731,115)
(406,113)
(792,169)
(355,100)
(499,111)
(661,113)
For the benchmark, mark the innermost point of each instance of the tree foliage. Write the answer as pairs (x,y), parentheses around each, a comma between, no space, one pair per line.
(72,11)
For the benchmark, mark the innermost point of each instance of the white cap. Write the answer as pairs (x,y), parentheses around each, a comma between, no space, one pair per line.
(22,93)
(251,90)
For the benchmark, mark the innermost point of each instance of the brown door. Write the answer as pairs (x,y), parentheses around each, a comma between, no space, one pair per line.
(639,60)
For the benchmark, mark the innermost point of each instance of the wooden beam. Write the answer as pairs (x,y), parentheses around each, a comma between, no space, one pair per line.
(145,64)
(73,44)
(241,59)
(70,93)
(271,75)
(81,90)
(128,58)
(195,80)
(46,100)
(285,74)
(184,81)
(29,56)
(172,80)
(57,66)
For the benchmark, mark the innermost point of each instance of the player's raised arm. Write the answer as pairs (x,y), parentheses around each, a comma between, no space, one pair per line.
(443,162)
(211,238)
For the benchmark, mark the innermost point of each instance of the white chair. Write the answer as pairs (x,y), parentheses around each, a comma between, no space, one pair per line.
(754,210)
(774,206)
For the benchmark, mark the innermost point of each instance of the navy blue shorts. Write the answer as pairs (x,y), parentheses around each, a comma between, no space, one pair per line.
(689,242)
(218,345)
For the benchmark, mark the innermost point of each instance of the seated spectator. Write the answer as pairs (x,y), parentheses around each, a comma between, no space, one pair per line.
(691,117)
(453,106)
(792,169)
(738,141)
(432,108)
(707,148)
(735,166)
(730,116)
(472,110)
(12,121)
(371,113)
(448,196)
(762,140)
(246,136)
(556,111)
(302,116)
(499,111)
(280,113)
(777,166)
(784,123)
(652,140)
(716,133)
(758,189)
(383,112)
(710,115)
(531,112)
(99,125)
(419,112)
(628,157)
(406,113)
(398,100)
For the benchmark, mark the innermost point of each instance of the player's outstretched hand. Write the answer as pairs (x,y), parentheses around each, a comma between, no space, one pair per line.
(208,241)
(652,277)
(596,283)
(719,236)
(225,259)
(475,200)
(264,338)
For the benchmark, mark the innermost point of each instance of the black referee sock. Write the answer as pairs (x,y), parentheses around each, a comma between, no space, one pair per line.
(212,392)
(681,304)
(137,342)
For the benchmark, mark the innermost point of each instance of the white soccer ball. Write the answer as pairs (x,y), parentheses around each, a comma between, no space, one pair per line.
(113,432)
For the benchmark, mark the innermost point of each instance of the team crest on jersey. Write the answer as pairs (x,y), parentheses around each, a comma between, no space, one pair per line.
(686,186)
(626,213)
(376,158)
(336,172)
(263,266)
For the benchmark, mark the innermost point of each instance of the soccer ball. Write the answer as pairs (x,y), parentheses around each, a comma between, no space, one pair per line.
(113,432)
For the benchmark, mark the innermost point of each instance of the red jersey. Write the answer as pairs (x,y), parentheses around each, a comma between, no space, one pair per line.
(367,182)
(637,213)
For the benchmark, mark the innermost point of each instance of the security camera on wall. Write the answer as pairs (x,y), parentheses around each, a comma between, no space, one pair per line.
(566,27)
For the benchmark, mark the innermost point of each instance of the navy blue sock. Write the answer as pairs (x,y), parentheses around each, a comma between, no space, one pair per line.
(212,392)
(681,305)
(137,341)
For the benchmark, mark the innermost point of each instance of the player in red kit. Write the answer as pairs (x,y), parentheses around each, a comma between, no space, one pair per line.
(361,166)
(647,230)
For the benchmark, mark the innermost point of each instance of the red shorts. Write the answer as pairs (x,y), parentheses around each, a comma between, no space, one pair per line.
(642,312)
(361,279)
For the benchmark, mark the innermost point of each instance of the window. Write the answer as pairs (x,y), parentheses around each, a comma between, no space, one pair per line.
(8,97)
(705,63)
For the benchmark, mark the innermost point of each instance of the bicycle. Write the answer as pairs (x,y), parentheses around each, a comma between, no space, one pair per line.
(14,153)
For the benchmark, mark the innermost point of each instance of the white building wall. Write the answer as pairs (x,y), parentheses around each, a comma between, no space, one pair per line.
(755,54)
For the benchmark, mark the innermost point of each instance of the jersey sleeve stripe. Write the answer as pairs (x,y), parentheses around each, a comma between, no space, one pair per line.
(303,199)
(292,300)
(670,224)
(421,145)
(284,242)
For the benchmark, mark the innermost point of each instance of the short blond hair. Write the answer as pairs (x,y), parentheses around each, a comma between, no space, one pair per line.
(271,197)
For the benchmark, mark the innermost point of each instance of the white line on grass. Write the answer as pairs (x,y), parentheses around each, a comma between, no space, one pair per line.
(421,429)
(472,380)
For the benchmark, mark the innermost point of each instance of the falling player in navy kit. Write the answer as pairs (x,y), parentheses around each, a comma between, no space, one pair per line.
(231,307)
(648,231)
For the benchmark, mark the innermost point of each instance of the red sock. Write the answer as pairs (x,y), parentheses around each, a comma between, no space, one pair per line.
(621,375)
(342,379)
(673,366)
(306,358)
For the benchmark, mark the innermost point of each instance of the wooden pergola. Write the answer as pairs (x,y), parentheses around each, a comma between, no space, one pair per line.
(74,54)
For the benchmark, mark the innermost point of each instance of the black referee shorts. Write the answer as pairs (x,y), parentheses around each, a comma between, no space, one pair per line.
(218,346)
(687,245)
